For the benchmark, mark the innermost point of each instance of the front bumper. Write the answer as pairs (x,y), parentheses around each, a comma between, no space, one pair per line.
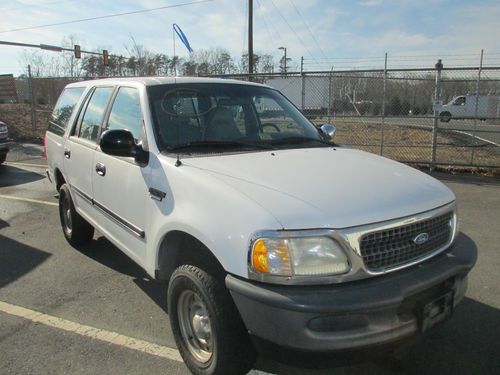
(352,315)
(5,146)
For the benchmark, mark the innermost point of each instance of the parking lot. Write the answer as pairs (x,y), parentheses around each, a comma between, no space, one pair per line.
(93,310)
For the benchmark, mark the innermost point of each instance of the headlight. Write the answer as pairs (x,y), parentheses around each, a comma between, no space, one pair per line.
(298,256)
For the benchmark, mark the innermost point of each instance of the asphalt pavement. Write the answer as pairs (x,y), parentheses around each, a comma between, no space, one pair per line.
(93,310)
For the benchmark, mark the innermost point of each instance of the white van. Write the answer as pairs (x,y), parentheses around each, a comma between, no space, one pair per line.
(464,107)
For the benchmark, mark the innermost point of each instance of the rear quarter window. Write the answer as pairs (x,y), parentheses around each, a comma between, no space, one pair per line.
(63,109)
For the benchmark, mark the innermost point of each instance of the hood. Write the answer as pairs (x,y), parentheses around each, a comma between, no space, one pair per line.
(327,187)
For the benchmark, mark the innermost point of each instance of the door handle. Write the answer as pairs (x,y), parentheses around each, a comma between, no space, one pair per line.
(100,169)
(67,153)
(157,194)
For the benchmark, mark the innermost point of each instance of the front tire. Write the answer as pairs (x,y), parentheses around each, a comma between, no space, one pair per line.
(207,327)
(76,229)
(445,116)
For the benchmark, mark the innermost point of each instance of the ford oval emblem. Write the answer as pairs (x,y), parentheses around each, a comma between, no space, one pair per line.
(421,238)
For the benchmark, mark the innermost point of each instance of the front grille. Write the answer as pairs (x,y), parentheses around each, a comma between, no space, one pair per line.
(394,247)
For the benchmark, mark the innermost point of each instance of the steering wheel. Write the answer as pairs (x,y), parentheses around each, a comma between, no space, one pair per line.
(270,124)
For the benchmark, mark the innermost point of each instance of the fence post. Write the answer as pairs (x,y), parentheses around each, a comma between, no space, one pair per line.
(303,102)
(476,108)
(32,101)
(383,108)
(330,86)
(437,96)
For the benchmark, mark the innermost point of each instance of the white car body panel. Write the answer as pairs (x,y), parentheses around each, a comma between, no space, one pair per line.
(326,187)
(218,215)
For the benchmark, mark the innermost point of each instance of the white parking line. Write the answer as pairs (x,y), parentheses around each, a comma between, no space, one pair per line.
(12,197)
(91,332)
(98,334)
(15,163)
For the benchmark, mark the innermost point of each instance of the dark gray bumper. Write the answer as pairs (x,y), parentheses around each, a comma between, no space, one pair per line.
(5,147)
(374,311)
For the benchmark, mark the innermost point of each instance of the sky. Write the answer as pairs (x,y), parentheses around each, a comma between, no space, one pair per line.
(329,34)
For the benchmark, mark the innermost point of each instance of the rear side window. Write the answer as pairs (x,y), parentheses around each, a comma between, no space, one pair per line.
(126,112)
(91,121)
(63,109)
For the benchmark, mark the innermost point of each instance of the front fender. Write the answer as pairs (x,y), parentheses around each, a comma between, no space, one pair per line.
(208,209)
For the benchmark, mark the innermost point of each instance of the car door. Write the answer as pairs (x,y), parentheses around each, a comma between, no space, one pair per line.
(460,107)
(80,146)
(120,184)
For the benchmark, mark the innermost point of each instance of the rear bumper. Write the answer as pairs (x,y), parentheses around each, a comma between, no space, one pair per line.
(354,315)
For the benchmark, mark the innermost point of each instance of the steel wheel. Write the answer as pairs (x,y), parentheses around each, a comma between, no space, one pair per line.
(195,325)
(66,214)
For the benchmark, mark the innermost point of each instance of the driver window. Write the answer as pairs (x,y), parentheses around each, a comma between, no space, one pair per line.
(460,101)
(273,118)
(126,112)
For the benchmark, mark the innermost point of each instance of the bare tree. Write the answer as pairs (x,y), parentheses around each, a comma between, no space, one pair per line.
(263,63)
(43,64)
(71,67)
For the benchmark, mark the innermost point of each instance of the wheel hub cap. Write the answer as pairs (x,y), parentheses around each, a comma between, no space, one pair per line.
(195,325)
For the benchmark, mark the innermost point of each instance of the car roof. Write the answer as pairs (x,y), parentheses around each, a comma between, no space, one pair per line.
(154,81)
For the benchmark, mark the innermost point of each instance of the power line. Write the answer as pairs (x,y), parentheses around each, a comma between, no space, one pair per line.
(42,5)
(293,30)
(245,29)
(106,16)
(265,23)
(438,54)
(343,60)
(326,59)
(276,31)
(308,28)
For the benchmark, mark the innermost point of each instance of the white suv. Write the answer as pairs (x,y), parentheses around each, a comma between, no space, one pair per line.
(267,231)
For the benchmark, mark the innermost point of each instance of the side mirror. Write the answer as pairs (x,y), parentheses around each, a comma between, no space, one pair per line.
(121,142)
(328,131)
(118,142)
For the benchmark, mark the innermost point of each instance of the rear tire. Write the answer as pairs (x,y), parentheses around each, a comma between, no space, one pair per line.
(207,327)
(76,229)
(2,158)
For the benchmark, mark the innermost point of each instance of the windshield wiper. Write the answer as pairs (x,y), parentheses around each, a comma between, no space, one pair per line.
(219,144)
(299,140)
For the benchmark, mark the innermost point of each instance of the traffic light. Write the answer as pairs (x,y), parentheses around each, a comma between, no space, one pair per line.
(105,57)
(77,51)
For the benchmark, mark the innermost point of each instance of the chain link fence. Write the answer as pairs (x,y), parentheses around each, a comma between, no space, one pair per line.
(434,116)
(28,115)
(440,116)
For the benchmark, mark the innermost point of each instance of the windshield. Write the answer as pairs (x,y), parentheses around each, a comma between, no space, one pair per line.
(203,117)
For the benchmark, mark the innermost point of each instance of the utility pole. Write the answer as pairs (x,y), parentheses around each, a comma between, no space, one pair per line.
(32,101)
(250,37)
(285,59)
